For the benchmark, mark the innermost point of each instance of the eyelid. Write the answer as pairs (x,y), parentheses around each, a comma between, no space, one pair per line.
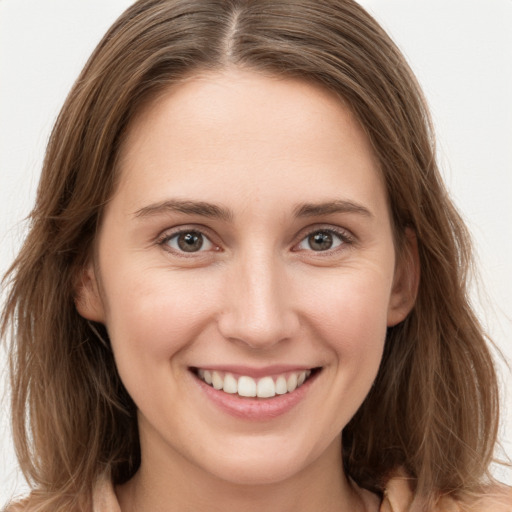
(170,233)
(343,234)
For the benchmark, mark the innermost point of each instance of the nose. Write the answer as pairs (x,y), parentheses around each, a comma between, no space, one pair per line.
(258,306)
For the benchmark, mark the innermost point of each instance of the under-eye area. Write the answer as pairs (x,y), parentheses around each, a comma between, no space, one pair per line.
(263,387)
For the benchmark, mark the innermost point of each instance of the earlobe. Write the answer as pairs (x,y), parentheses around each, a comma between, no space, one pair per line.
(87,295)
(406,281)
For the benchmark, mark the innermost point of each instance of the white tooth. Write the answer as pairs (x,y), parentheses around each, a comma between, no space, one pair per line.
(266,388)
(291,384)
(281,388)
(308,373)
(207,376)
(301,378)
(246,386)
(201,373)
(217,380)
(230,384)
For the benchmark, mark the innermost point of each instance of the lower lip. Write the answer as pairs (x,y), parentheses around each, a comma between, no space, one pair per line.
(256,409)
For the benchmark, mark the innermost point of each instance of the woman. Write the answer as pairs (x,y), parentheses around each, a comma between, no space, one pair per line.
(244,284)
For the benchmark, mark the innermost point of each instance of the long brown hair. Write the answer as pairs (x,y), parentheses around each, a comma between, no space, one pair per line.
(433,409)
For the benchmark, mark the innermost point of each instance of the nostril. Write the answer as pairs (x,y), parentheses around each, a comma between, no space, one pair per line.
(257,333)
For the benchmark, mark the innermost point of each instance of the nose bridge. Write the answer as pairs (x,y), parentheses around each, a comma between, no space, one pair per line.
(258,310)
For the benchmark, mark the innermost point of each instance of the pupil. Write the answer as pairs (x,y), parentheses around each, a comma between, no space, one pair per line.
(320,241)
(190,242)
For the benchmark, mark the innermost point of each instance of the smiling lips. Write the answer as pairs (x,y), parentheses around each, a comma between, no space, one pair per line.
(245,386)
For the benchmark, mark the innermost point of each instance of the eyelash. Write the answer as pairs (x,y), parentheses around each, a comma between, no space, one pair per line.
(166,237)
(344,237)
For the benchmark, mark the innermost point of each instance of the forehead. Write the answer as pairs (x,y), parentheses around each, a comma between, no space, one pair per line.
(256,133)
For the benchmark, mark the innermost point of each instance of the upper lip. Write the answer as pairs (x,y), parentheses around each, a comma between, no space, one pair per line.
(255,372)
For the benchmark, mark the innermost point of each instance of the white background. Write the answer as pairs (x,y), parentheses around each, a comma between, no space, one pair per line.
(461,51)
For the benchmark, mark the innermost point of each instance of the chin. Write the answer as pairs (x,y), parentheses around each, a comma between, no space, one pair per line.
(259,466)
(251,473)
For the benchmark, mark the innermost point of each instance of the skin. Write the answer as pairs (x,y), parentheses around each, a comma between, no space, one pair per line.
(256,294)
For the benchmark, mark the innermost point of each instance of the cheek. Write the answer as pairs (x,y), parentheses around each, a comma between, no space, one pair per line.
(348,323)
(156,315)
(350,317)
(352,303)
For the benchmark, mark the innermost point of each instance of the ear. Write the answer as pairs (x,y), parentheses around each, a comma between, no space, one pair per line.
(88,300)
(406,280)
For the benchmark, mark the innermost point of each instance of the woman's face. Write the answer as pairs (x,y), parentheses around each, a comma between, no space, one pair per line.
(249,242)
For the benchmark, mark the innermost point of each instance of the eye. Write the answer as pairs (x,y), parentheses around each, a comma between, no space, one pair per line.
(188,241)
(322,240)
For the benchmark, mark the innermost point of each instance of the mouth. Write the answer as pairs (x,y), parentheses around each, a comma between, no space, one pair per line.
(267,386)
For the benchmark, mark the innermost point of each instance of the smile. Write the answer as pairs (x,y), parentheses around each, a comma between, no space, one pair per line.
(245,386)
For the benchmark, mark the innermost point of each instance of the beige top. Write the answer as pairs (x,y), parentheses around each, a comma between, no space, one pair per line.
(397,498)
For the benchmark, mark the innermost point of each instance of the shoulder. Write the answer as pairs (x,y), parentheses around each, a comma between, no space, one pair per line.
(103,500)
(493,499)
(398,497)
(104,496)
(17,506)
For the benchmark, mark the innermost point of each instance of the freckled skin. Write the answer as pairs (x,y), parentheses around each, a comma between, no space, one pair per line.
(255,294)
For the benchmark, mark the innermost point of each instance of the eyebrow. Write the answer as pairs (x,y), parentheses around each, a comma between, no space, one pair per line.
(200,208)
(331,207)
(211,210)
